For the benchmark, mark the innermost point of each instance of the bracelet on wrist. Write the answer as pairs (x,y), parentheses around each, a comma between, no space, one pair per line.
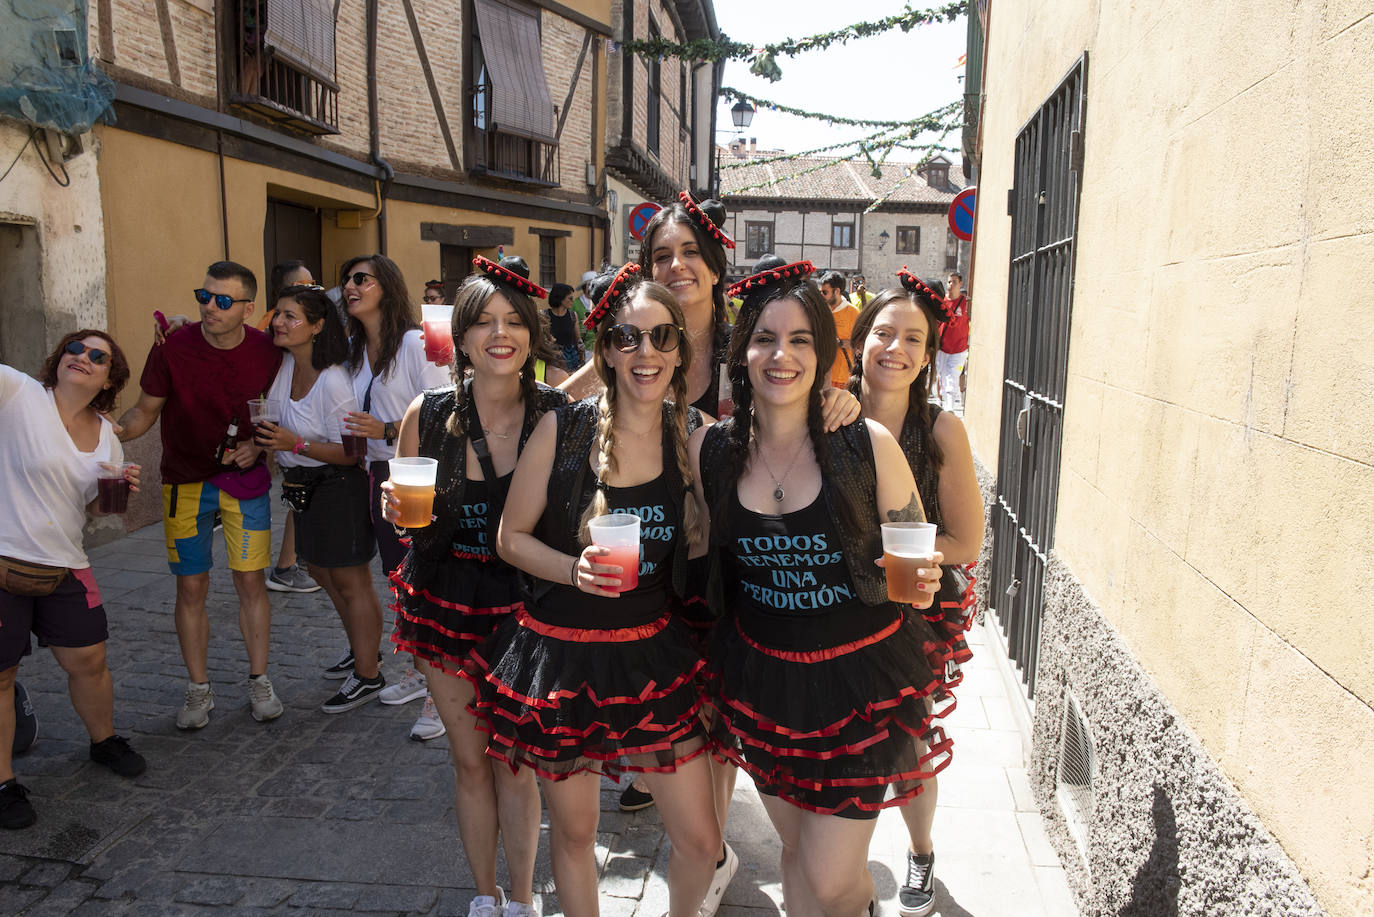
(576,561)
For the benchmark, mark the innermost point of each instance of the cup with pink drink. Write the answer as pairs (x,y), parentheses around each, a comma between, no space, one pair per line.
(619,534)
(263,410)
(112,486)
(438,332)
(725,398)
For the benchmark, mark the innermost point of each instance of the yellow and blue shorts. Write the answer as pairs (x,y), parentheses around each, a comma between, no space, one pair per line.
(188,520)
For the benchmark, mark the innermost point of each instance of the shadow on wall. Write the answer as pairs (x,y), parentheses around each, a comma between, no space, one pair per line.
(1154,893)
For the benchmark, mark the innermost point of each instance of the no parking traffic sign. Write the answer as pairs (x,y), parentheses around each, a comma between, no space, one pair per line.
(639,219)
(961,213)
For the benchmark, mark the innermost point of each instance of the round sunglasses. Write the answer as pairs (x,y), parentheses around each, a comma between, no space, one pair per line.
(223,300)
(665,338)
(95,354)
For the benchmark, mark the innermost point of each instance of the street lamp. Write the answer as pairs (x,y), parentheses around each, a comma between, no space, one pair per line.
(882,239)
(742,113)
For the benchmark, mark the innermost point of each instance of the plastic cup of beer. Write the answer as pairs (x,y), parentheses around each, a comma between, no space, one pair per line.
(412,480)
(263,409)
(438,332)
(112,486)
(355,446)
(725,399)
(907,547)
(619,533)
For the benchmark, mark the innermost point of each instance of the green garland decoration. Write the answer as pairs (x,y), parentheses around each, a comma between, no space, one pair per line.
(931,121)
(763,61)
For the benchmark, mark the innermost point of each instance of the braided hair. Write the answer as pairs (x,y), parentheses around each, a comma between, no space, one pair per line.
(614,292)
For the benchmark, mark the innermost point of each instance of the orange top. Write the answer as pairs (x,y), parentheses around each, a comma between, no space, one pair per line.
(844,325)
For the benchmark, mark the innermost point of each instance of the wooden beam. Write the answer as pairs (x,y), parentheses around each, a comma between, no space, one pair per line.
(433,86)
(572,88)
(107,44)
(169,42)
(467,236)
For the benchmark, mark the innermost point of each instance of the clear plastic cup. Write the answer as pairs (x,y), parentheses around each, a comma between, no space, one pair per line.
(907,547)
(619,533)
(263,409)
(355,446)
(438,332)
(112,486)
(413,483)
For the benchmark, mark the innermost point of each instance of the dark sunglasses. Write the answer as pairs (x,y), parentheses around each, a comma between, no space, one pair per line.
(96,355)
(223,300)
(359,277)
(665,337)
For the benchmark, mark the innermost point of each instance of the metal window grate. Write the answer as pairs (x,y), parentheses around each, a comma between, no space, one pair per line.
(1075,771)
(1044,208)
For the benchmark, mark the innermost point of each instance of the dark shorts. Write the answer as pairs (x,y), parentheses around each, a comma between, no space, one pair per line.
(71,616)
(336,530)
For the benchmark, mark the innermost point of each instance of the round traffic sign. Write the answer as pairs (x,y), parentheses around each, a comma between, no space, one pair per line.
(961,213)
(640,217)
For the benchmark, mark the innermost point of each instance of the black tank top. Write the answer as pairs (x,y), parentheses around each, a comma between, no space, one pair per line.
(470,536)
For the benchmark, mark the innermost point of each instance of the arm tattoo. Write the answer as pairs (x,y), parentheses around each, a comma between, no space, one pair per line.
(912,512)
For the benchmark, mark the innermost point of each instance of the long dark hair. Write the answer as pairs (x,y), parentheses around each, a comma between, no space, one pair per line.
(918,403)
(712,252)
(330,346)
(119,368)
(398,315)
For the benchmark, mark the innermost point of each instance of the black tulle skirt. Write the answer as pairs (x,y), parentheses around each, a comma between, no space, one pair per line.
(446,607)
(566,700)
(836,728)
(950,616)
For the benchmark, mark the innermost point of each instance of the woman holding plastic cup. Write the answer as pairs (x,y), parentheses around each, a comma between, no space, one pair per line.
(595,668)
(819,681)
(452,589)
(50,455)
(325,488)
(896,337)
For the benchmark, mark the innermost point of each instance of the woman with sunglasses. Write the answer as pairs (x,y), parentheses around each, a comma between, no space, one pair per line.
(452,590)
(55,438)
(896,337)
(386,357)
(584,674)
(819,682)
(323,485)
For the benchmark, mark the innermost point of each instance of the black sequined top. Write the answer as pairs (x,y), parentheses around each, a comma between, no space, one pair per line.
(915,443)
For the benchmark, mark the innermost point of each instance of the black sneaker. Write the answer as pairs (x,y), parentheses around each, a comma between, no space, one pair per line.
(354,692)
(116,754)
(917,897)
(25,721)
(634,799)
(344,667)
(15,809)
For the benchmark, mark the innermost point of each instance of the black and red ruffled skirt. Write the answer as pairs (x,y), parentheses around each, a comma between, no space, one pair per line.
(950,616)
(567,700)
(840,728)
(444,608)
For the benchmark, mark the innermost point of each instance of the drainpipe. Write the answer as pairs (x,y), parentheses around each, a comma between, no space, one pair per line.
(385,173)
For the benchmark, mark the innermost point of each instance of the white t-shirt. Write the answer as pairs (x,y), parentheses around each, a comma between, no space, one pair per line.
(319,416)
(45,481)
(409,375)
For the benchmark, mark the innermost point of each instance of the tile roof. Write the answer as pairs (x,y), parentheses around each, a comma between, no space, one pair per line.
(828,179)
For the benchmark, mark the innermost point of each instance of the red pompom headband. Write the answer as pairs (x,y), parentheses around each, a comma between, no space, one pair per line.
(703,220)
(916,286)
(497,272)
(797,270)
(623,278)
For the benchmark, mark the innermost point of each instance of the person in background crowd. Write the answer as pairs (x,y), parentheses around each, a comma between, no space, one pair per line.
(859,295)
(200,381)
(324,486)
(953,356)
(832,291)
(386,358)
(563,325)
(434,293)
(896,340)
(453,589)
(582,306)
(54,438)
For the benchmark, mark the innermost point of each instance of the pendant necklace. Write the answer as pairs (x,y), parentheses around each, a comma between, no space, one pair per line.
(778,492)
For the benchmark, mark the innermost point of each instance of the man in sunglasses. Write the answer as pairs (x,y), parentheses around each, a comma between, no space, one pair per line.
(199,382)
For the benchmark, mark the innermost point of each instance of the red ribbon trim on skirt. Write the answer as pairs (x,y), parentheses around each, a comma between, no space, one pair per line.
(436,656)
(435,625)
(614,770)
(555,699)
(590,634)
(832,652)
(452,606)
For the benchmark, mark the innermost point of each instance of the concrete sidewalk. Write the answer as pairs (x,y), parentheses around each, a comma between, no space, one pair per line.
(344,815)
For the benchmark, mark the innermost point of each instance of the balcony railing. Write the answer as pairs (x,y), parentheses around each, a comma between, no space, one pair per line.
(504,155)
(277,89)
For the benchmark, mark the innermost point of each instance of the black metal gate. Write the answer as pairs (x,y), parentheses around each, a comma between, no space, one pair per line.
(1043,205)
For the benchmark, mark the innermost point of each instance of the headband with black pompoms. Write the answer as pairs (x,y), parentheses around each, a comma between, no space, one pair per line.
(512,270)
(932,294)
(606,303)
(769,271)
(704,220)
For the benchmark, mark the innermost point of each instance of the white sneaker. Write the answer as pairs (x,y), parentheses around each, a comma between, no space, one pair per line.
(411,686)
(724,873)
(487,906)
(428,725)
(195,713)
(519,909)
(264,701)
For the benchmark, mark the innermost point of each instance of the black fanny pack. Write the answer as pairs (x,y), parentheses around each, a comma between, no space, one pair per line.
(298,484)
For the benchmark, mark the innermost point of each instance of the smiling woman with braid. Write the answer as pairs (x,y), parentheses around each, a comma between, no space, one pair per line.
(818,682)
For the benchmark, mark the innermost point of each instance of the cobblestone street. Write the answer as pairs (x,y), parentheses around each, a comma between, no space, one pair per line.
(343,814)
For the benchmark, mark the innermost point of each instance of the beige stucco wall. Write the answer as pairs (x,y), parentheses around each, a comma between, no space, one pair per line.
(1217,485)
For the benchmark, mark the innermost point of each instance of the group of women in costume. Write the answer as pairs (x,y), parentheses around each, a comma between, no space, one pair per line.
(759,636)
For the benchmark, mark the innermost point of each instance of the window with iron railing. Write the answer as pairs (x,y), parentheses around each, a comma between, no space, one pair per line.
(285,68)
(512,116)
